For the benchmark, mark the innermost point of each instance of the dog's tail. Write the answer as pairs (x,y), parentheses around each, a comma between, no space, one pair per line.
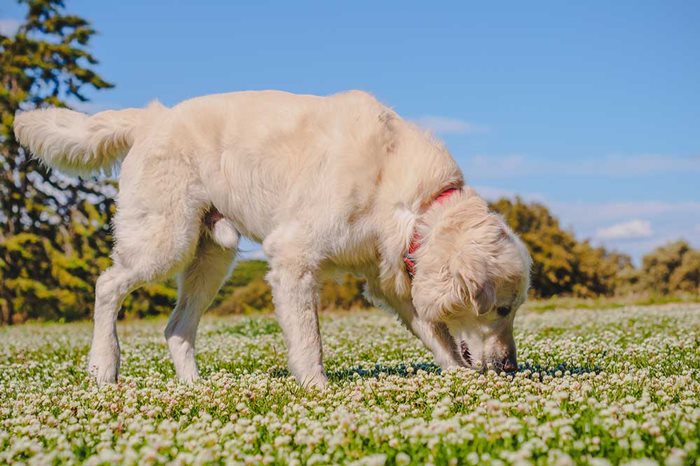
(80,144)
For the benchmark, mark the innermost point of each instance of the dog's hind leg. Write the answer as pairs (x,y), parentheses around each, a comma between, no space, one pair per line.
(110,290)
(197,287)
(156,236)
(140,258)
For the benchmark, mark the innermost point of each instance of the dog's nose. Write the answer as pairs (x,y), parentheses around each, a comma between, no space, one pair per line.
(510,365)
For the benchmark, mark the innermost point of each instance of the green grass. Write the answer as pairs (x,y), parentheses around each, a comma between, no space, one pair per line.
(596,387)
(613,302)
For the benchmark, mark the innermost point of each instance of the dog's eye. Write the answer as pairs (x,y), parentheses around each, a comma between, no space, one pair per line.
(503,311)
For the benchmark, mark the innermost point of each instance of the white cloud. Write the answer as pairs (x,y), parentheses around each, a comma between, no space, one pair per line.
(632,229)
(618,166)
(446,125)
(9,26)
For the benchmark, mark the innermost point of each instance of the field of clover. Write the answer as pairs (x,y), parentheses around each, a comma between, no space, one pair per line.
(594,387)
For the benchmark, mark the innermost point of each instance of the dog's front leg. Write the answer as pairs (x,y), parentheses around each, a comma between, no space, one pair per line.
(437,339)
(295,296)
(434,336)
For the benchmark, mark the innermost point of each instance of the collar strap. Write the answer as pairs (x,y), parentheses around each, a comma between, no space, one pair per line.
(409,258)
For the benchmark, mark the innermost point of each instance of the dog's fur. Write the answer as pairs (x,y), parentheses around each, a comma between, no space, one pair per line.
(336,182)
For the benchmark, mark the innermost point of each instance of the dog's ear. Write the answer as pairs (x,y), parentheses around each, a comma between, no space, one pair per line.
(480,287)
(461,283)
(437,294)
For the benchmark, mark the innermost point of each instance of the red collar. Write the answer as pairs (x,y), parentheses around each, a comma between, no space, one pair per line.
(409,259)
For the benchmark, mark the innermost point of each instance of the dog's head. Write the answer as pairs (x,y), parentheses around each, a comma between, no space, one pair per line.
(472,274)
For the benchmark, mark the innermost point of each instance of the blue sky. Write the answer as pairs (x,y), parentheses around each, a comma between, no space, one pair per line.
(590,107)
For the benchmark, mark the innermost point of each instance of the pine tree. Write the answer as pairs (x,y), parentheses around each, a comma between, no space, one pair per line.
(54,233)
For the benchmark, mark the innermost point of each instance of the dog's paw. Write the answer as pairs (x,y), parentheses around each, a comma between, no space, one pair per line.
(104,369)
(189,378)
(316,382)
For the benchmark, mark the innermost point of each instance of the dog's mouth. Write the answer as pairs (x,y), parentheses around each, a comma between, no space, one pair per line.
(464,350)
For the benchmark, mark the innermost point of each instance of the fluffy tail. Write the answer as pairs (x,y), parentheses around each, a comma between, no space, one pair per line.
(76,143)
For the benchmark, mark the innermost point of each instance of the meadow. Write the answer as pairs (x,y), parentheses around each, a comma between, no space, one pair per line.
(594,387)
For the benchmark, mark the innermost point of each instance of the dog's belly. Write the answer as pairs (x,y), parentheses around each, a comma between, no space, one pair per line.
(338,226)
(261,193)
(244,193)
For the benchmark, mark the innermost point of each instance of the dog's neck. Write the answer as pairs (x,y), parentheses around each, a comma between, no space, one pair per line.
(409,259)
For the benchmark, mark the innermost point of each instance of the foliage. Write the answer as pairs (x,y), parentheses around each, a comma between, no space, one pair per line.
(686,277)
(246,271)
(345,292)
(672,268)
(246,290)
(254,296)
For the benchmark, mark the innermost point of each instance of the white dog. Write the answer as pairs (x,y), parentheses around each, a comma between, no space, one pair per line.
(338,182)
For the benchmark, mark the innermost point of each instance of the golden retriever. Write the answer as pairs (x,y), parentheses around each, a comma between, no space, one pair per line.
(337,182)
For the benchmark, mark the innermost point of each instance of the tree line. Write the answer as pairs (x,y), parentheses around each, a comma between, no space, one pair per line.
(55,232)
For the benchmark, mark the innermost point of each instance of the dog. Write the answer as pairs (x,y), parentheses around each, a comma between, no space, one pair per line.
(338,182)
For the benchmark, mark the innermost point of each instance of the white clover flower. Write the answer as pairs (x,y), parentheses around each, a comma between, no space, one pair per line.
(402,459)
(626,394)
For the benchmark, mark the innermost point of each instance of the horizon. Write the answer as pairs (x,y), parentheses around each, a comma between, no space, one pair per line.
(591,109)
